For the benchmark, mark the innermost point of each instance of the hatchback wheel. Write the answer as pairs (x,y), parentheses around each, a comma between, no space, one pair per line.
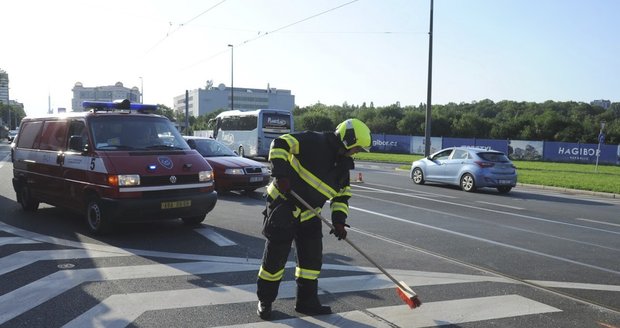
(417,176)
(467,182)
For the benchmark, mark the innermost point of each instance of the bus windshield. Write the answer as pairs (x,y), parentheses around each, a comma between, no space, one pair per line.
(249,133)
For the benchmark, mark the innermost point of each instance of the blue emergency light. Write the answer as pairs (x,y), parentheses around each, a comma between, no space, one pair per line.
(123,104)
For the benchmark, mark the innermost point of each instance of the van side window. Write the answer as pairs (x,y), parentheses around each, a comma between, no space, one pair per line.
(53,135)
(77,128)
(27,134)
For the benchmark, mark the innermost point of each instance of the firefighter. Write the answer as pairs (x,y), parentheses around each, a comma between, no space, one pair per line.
(316,166)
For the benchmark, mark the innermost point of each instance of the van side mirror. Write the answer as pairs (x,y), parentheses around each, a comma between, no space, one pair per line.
(76,144)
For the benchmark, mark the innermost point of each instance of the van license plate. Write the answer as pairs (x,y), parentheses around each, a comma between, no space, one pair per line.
(256,179)
(176,204)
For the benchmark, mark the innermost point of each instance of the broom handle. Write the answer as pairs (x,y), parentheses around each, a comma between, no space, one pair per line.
(348,241)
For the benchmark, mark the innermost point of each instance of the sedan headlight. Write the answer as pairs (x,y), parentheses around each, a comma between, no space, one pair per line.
(204,176)
(234,171)
(265,169)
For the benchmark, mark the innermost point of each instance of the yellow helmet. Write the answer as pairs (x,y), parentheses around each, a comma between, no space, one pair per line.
(354,133)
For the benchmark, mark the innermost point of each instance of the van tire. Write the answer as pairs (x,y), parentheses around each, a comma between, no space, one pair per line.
(96,218)
(194,220)
(29,203)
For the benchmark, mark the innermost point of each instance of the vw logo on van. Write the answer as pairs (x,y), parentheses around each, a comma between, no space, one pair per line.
(165,162)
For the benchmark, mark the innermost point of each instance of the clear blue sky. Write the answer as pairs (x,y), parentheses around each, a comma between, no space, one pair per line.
(330,51)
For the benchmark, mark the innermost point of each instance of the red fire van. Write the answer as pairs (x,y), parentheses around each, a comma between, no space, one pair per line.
(116,162)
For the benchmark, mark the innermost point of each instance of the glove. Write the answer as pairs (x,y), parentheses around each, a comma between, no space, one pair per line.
(339,230)
(283,184)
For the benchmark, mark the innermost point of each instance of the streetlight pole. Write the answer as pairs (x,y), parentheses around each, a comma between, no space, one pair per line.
(601,139)
(427,129)
(141,90)
(232,75)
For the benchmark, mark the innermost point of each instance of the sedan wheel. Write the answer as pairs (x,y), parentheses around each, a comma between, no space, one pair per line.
(417,176)
(467,182)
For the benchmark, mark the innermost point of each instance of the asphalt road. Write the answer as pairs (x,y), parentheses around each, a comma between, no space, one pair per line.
(531,258)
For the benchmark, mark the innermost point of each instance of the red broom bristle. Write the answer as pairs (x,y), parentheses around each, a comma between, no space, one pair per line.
(409,297)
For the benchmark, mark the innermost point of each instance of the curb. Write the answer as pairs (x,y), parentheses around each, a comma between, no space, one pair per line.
(572,191)
(562,189)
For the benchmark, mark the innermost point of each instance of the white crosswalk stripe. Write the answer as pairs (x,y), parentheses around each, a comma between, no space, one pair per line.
(16,240)
(121,310)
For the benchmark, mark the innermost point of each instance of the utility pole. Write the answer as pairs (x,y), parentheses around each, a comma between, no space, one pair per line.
(427,129)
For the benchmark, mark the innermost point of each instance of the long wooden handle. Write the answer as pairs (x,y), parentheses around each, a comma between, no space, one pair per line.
(348,241)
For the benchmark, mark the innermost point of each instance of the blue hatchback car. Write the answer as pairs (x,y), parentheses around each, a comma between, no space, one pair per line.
(469,168)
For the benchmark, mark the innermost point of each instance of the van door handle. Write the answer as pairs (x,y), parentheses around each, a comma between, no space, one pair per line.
(60,159)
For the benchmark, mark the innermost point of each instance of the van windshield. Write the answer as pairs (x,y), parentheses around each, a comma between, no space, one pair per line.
(135,133)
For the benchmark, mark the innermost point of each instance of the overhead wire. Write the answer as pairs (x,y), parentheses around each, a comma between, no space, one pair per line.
(168,34)
(261,35)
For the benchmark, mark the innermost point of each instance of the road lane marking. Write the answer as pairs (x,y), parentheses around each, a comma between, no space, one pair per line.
(16,240)
(486,222)
(494,211)
(500,205)
(576,285)
(600,222)
(414,191)
(463,310)
(21,259)
(489,241)
(121,310)
(431,314)
(36,293)
(215,237)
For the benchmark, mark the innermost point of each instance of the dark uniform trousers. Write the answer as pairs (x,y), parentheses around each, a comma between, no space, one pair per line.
(283,227)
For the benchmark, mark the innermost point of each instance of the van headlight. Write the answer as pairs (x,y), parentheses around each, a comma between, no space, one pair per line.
(204,176)
(124,180)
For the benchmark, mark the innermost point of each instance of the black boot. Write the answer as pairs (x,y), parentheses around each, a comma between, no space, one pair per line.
(264,310)
(307,299)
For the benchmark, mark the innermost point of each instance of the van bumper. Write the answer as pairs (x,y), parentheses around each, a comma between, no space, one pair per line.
(157,209)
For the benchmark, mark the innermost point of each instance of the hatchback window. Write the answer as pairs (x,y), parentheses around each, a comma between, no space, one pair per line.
(460,154)
(494,157)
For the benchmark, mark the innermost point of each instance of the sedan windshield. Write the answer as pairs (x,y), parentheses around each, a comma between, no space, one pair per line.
(212,148)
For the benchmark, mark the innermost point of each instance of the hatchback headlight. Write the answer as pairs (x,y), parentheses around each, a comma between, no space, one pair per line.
(204,176)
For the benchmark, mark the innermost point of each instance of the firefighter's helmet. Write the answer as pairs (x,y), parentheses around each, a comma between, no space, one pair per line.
(354,133)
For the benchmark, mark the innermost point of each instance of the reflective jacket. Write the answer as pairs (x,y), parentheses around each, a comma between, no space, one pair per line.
(317,171)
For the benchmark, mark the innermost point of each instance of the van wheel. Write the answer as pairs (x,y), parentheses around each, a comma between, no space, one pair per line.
(194,220)
(29,203)
(241,151)
(97,220)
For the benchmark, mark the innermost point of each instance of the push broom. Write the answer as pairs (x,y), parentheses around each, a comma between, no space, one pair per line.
(403,291)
